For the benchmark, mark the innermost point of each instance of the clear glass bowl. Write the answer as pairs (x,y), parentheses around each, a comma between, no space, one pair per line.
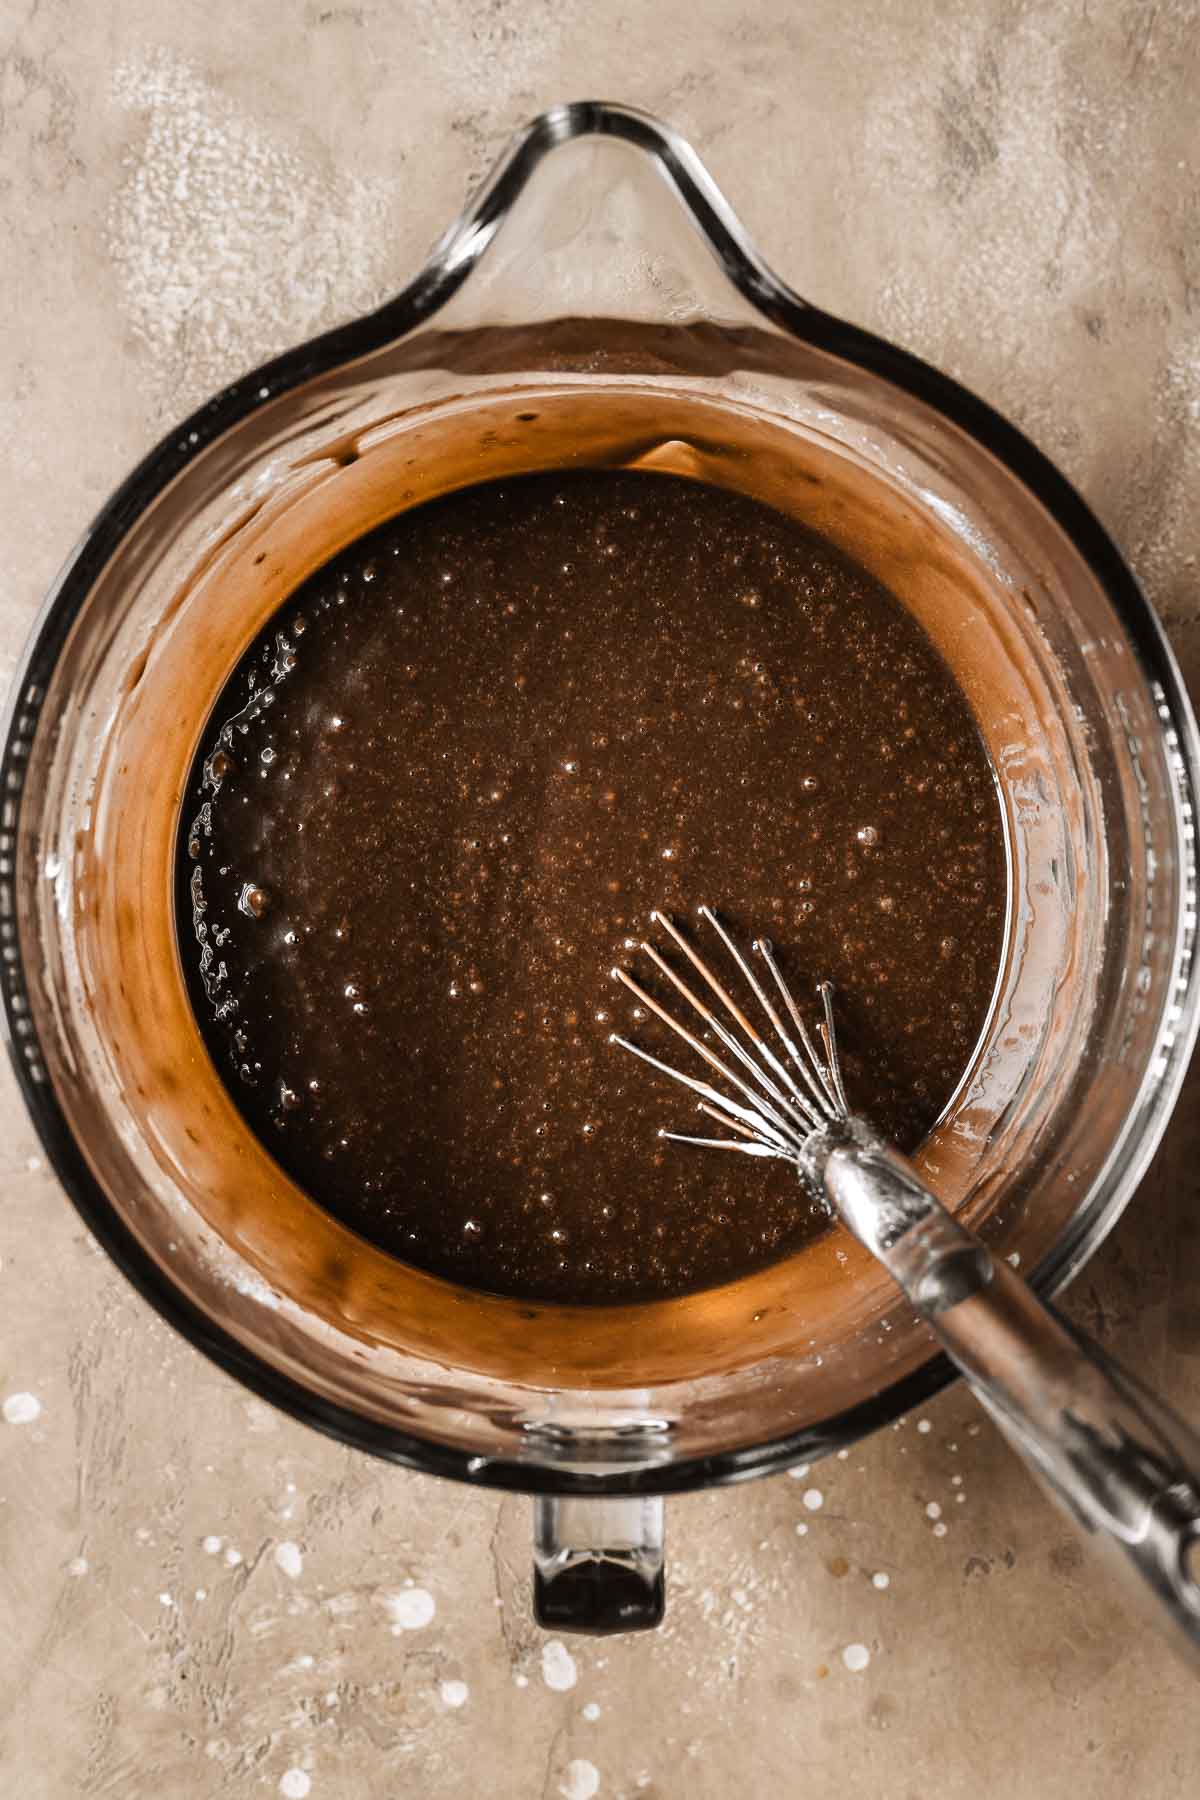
(597,303)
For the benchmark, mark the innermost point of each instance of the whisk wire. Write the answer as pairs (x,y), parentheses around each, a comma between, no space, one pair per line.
(706,912)
(725,1036)
(810,1065)
(760,1126)
(767,1121)
(760,1105)
(799,1105)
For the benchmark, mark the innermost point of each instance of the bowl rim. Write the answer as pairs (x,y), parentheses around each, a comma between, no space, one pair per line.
(451,262)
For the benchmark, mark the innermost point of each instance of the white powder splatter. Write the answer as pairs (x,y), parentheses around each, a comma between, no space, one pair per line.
(22,1409)
(1021,180)
(939,1529)
(295,1784)
(582,1780)
(801,1528)
(520,1680)
(78,1565)
(558,1666)
(211,1545)
(260,1418)
(1041,173)
(923,1425)
(591,1711)
(814,1499)
(487,56)
(410,1609)
(289,1559)
(454,1693)
(229,243)
(881,1580)
(933,1510)
(165,1600)
(856,1657)
(233,1557)
(799,1470)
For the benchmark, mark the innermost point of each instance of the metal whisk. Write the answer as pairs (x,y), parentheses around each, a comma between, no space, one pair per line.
(1120,1462)
(777,1114)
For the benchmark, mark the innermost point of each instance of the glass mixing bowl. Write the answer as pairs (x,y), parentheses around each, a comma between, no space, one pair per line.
(599,304)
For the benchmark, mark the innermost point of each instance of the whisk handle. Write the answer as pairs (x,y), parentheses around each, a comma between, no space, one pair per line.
(1121,1463)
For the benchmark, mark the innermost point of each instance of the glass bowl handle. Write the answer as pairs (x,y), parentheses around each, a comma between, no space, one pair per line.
(598,1564)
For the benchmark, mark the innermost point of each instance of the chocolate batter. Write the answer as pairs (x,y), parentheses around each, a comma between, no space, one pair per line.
(441,795)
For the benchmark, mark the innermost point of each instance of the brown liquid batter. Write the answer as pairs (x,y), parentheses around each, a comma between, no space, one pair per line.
(441,796)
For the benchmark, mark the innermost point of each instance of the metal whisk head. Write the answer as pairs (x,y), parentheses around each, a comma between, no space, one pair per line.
(777,1088)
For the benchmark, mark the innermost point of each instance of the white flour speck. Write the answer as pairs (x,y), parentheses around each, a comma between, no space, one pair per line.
(939,1529)
(202,1593)
(591,1711)
(558,1666)
(856,1657)
(801,1529)
(799,1471)
(520,1680)
(482,55)
(923,1425)
(814,1499)
(294,1784)
(233,1557)
(933,1510)
(228,241)
(454,1693)
(165,1600)
(582,1780)
(843,1456)
(881,1580)
(22,1409)
(211,1545)
(289,1559)
(78,1565)
(956,1481)
(410,1609)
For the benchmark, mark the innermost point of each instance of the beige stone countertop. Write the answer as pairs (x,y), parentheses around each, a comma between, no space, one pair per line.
(186,1577)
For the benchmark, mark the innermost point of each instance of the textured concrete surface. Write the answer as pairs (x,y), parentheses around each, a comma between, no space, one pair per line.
(198,1596)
